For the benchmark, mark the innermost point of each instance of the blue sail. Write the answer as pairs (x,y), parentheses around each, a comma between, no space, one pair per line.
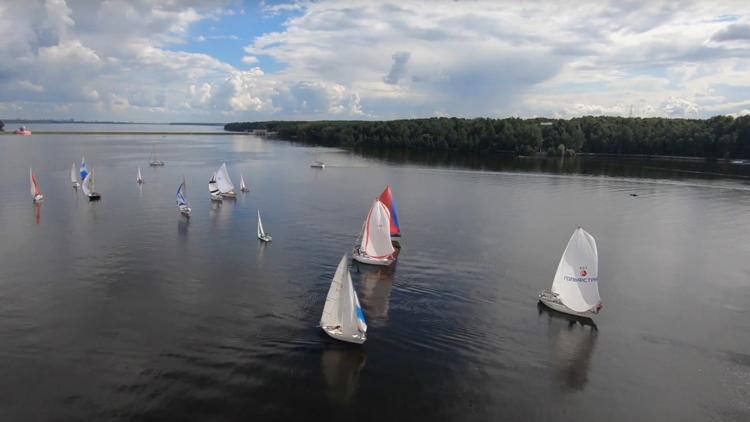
(181,195)
(84,170)
(361,318)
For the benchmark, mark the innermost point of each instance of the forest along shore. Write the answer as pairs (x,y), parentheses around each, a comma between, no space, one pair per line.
(718,137)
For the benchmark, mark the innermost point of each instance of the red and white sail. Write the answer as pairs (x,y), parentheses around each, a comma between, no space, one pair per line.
(36,192)
(376,234)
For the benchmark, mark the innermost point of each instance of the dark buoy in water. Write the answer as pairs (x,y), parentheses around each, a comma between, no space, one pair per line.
(633,194)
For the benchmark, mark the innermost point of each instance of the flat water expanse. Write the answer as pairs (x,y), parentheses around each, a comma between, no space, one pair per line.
(123,310)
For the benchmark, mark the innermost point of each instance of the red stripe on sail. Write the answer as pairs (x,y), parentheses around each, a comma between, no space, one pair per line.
(37,191)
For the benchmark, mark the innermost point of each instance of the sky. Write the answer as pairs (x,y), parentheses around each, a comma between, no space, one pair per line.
(219,61)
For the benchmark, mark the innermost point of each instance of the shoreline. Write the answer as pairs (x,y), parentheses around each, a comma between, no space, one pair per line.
(60,132)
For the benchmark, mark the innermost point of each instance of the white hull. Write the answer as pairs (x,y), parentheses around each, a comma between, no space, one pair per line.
(335,333)
(551,301)
(76,185)
(216,198)
(39,198)
(265,238)
(366,259)
(156,163)
(229,195)
(186,211)
(245,190)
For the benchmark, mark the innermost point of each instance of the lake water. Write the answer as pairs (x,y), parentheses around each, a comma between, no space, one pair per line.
(123,310)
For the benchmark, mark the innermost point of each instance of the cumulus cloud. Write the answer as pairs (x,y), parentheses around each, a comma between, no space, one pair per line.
(330,59)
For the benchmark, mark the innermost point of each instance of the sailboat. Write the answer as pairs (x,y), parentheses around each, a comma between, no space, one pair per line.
(343,318)
(390,202)
(139,178)
(224,182)
(88,187)
(318,165)
(182,202)
(262,235)
(83,170)
(375,245)
(155,162)
(213,189)
(243,188)
(36,193)
(73,176)
(575,288)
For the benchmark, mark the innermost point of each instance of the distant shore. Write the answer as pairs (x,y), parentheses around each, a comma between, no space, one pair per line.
(64,132)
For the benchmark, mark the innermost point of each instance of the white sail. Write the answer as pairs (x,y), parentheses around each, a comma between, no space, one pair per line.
(331,316)
(73,176)
(376,235)
(261,232)
(242,184)
(223,180)
(88,183)
(139,178)
(33,185)
(577,278)
(213,187)
(181,199)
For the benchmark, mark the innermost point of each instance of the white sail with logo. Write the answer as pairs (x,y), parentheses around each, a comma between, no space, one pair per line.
(223,181)
(343,318)
(577,278)
(376,237)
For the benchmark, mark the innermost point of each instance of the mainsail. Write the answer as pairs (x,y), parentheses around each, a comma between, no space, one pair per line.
(35,191)
(223,180)
(389,201)
(213,187)
(331,311)
(88,184)
(84,171)
(181,200)
(577,278)
(376,235)
(243,188)
(261,232)
(139,178)
(73,176)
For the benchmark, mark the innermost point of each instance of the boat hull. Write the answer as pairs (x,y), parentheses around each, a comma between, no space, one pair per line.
(216,198)
(245,190)
(551,300)
(265,238)
(229,195)
(76,185)
(94,197)
(38,198)
(185,211)
(363,258)
(156,163)
(336,334)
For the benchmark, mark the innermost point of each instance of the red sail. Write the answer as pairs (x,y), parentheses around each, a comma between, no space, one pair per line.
(387,199)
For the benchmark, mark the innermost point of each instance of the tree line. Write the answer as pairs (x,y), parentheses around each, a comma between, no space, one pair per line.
(717,137)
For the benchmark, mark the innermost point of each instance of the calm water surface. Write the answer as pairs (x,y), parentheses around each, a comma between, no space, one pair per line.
(123,310)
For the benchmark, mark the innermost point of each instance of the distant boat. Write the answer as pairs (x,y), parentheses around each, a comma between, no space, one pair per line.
(262,235)
(213,189)
(739,162)
(36,192)
(318,165)
(139,178)
(575,288)
(375,246)
(343,318)
(224,182)
(182,202)
(83,170)
(22,131)
(74,176)
(390,202)
(243,188)
(155,161)
(88,187)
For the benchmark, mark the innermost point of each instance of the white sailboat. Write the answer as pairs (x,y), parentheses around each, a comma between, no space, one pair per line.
(36,192)
(139,178)
(375,246)
(213,189)
(318,165)
(83,170)
(88,187)
(155,161)
(74,176)
(182,202)
(243,188)
(262,235)
(224,182)
(575,288)
(343,318)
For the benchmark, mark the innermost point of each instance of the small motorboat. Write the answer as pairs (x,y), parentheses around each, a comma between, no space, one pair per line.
(343,318)
(22,131)
(88,187)
(575,288)
(375,244)
(318,165)
(262,235)
(36,192)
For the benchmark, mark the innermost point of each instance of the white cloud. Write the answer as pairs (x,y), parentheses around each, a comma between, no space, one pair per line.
(334,59)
